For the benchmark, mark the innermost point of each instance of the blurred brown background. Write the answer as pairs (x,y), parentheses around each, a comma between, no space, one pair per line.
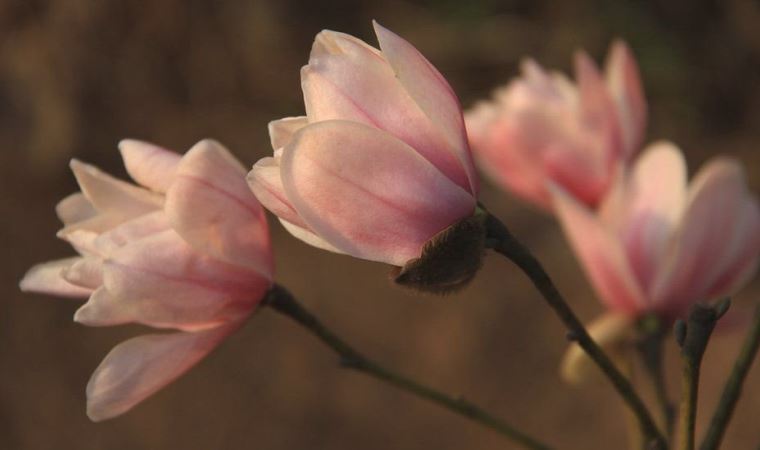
(76,76)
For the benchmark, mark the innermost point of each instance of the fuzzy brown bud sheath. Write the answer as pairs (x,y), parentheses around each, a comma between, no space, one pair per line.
(449,260)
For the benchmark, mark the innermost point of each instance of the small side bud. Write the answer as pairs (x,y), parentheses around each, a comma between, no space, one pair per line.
(721,308)
(449,260)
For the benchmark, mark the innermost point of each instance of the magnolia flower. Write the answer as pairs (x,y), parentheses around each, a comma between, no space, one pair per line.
(187,250)
(657,246)
(543,127)
(380,163)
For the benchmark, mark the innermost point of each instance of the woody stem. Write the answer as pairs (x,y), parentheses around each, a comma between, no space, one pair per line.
(280,300)
(733,387)
(501,240)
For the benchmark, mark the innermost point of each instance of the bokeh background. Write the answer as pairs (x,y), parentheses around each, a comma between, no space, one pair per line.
(76,76)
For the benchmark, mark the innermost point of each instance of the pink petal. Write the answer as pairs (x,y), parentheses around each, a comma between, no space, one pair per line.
(266,183)
(601,254)
(431,92)
(82,240)
(162,282)
(103,309)
(507,158)
(136,369)
(348,80)
(47,278)
(107,194)
(597,111)
(576,171)
(714,208)
(86,272)
(479,121)
(149,165)
(367,193)
(130,231)
(655,198)
(624,83)
(281,131)
(211,207)
(740,261)
(308,236)
(74,208)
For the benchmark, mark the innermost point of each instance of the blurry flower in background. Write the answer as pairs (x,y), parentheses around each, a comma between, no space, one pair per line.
(543,127)
(187,250)
(380,163)
(658,245)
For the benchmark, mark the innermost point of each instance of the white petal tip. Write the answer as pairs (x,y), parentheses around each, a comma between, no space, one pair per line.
(25,285)
(96,413)
(127,143)
(82,315)
(207,146)
(75,164)
(134,146)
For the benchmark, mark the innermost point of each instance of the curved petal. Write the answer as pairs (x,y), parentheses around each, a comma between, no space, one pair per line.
(82,240)
(367,193)
(431,92)
(86,272)
(611,331)
(148,164)
(478,121)
(577,172)
(601,253)
(507,158)
(348,80)
(714,207)
(47,278)
(740,262)
(103,309)
(265,182)
(210,206)
(281,131)
(597,111)
(107,194)
(130,231)
(74,208)
(655,198)
(162,282)
(136,369)
(624,83)
(82,235)
(309,237)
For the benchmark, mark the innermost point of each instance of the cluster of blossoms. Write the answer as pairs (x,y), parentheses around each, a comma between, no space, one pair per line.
(378,166)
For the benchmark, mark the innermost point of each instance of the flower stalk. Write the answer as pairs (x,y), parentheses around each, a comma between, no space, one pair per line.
(280,300)
(651,350)
(503,242)
(733,387)
(693,335)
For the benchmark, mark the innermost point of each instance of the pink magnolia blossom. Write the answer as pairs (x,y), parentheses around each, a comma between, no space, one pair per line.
(380,163)
(186,250)
(542,127)
(658,245)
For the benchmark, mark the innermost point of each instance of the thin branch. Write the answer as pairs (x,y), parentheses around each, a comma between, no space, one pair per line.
(693,336)
(651,349)
(733,388)
(283,302)
(501,240)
